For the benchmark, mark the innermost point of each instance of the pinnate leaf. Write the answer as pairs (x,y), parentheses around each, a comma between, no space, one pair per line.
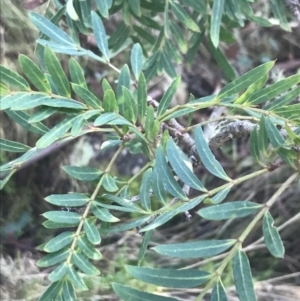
(229,210)
(272,237)
(186,278)
(243,277)
(196,249)
(207,157)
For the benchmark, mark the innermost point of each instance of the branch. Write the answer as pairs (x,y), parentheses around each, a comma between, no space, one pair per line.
(294,6)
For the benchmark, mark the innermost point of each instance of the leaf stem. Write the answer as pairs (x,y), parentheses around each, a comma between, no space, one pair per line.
(89,204)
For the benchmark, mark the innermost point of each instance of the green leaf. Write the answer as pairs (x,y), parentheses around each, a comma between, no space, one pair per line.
(184,17)
(136,60)
(12,146)
(76,279)
(207,157)
(100,35)
(186,278)
(39,50)
(149,122)
(222,61)
(103,214)
(199,6)
(191,204)
(13,80)
(55,225)
(59,242)
(109,144)
(64,49)
(103,7)
(144,245)
(194,49)
(8,100)
(279,11)
(124,80)
(262,136)
(183,166)
(87,96)
(120,208)
(27,101)
(216,19)
(145,190)
(50,30)
(218,292)
(276,139)
(52,291)
(68,200)
(272,237)
(129,294)
(168,64)
(106,85)
(76,73)
(130,106)
(41,114)
(88,249)
(4,181)
(167,177)
(3,90)
(85,7)
(179,37)
(160,220)
(273,133)
(167,97)
(55,133)
(243,277)
(53,258)
(57,73)
(63,217)
(196,249)
(273,90)
(83,173)
(245,80)
(130,225)
(179,113)
(92,232)
(109,183)
(158,187)
(34,73)
(109,101)
(78,125)
(221,195)
(256,86)
(135,6)
(22,119)
(291,112)
(84,265)
(105,118)
(122,201)
(229,210)
(284,100)
(143,34)
(58,272)
(141,97)
(119,38)
(68,291)
(254,145)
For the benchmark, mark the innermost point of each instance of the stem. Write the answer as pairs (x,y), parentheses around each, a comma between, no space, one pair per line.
(89,204)
(135,176)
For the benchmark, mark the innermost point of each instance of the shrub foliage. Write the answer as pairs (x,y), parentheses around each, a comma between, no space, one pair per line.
(160,35)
